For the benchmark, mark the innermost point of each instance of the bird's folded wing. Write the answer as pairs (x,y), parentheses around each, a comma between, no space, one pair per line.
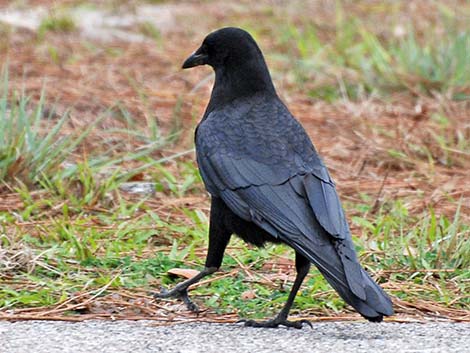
(301,209)
(298,192)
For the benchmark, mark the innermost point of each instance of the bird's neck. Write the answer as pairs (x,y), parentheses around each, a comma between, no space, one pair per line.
(239,80)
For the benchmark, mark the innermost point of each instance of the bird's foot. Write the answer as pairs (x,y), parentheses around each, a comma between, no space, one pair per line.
(179,293)
(276,322)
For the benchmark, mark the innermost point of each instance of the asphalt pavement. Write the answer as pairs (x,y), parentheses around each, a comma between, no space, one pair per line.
(145,336)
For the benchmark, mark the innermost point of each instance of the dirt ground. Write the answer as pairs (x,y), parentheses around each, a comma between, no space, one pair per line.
(98,66)
(89,76)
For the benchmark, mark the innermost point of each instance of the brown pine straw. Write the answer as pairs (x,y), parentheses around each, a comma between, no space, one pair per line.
(347,134)
(135,305)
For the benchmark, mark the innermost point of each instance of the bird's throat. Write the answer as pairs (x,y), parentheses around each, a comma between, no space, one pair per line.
(237,81)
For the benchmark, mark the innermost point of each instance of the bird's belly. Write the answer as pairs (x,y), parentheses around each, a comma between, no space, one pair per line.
(248,231)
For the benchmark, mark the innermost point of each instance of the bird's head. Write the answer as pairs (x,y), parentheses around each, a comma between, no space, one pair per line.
(225,47)
(240,69)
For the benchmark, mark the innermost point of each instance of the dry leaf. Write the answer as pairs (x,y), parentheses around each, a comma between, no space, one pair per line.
(137,177)
(249,294)
(183,272)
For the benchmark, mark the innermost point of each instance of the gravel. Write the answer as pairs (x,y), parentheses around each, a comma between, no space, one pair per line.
(144,336)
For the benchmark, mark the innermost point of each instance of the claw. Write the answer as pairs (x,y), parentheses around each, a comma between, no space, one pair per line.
(275,323)
(163,293)
(179,294)
(190,305)
(305,321)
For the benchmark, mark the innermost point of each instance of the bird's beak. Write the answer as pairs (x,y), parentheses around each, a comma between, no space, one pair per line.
(195,59)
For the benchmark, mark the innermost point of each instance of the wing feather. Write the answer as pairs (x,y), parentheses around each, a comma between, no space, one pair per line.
(285,189)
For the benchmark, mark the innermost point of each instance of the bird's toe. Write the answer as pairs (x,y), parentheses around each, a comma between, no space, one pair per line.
(179,293)
(275,323)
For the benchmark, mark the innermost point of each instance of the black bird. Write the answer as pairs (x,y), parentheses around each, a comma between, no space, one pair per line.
(267,182)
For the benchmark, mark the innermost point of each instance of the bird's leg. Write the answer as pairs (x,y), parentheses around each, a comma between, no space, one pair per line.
(302,266)
(180,291)
(219,237)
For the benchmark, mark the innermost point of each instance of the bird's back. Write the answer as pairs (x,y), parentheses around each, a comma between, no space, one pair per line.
(261,129)
(255,155)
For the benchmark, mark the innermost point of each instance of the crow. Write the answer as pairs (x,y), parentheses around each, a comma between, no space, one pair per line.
(267,182)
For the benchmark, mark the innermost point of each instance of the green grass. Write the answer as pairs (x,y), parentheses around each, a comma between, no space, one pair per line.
(58,22)
(36,151)
(75,231)
(430,242)
(148,29)
(371,65)
(26,154)
(83,234)
(83,228)
(132,245)
(355,61)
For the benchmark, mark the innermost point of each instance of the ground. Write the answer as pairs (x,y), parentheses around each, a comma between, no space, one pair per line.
(145,336)
(381,87)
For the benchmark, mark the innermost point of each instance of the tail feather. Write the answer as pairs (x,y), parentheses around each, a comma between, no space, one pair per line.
(376,303)
(352,269)
(331,249)
(344,273)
